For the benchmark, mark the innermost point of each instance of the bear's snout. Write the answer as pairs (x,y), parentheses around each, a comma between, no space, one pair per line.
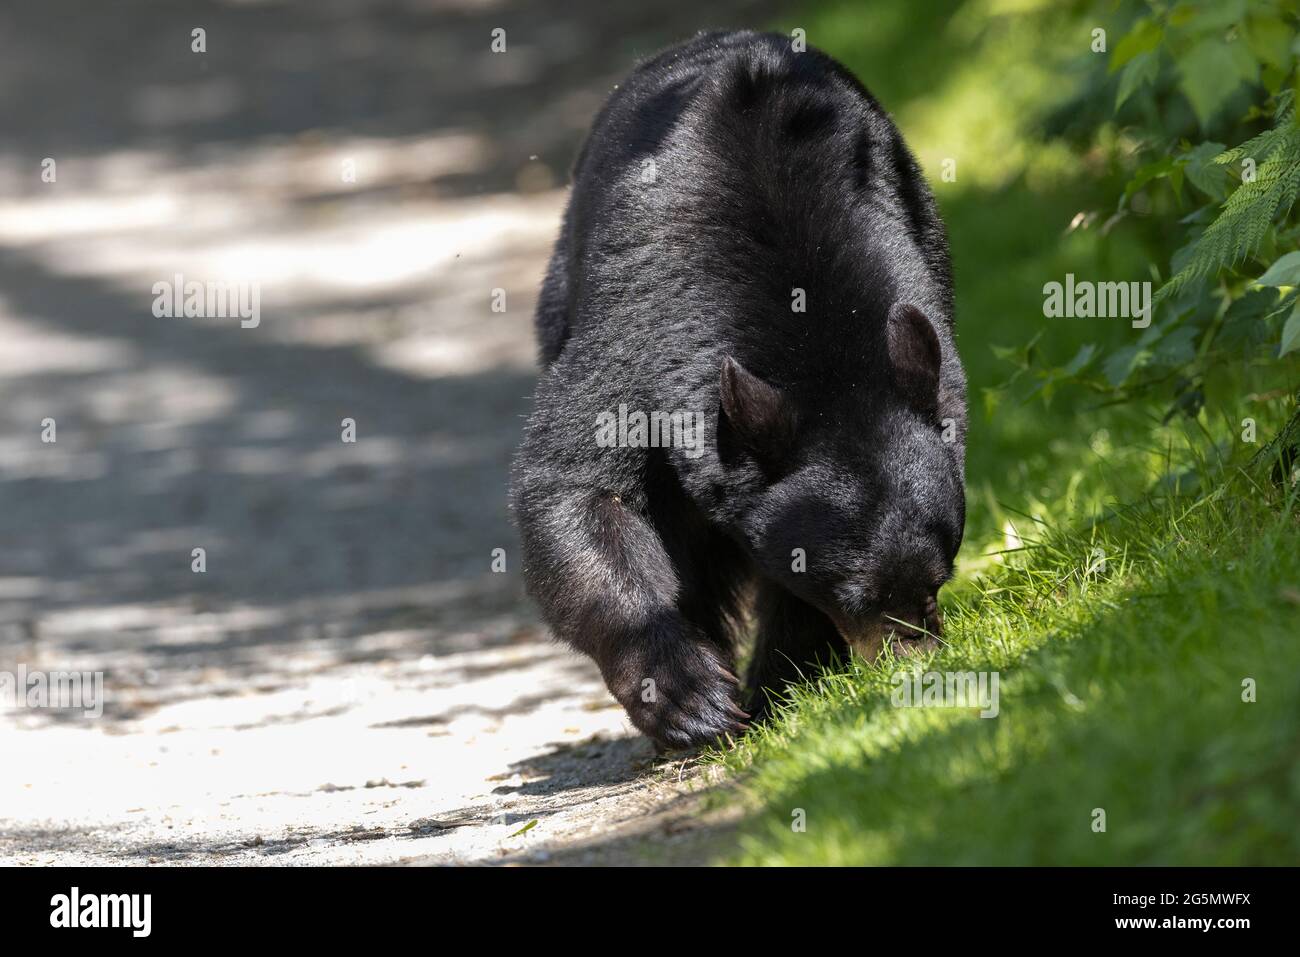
(910,631)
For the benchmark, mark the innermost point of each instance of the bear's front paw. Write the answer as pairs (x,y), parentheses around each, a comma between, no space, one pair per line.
(682,696)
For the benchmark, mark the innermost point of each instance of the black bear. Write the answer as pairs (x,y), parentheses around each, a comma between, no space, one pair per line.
(751,411)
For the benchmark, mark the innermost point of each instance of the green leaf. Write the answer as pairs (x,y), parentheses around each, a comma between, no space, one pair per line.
(1254,304)
(1246,62)
(1145,174)
(1020,356)
(1210,73)
(1214,16)
(1081,359)
(1176,182)
(1120,366)
(1269,38)
(1006,353)
(1246,321)
(1143,38)
(1142,69)
(1284,272)
(1290,333)
(992,399)
(1203,173)
(1177,348)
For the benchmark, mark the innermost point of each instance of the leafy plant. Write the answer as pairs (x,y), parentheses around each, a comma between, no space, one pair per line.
(1185,79)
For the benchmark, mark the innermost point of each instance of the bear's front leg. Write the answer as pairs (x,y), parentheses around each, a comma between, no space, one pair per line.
(795,641)
(606,585)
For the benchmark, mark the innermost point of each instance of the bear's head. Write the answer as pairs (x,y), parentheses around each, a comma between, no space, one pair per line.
(852,496)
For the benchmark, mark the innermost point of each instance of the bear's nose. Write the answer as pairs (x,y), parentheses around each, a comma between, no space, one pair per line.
(908,630)
(916,621)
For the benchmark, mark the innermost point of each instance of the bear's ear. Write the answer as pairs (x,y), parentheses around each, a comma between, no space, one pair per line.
(914,355)
(760,414)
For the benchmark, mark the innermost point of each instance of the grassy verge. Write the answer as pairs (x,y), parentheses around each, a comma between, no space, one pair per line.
(1124,635)
(1123,687)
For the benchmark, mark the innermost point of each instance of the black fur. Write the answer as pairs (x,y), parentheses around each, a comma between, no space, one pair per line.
(824,429)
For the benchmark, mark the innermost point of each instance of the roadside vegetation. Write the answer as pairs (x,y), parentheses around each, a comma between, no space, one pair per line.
(1131,569)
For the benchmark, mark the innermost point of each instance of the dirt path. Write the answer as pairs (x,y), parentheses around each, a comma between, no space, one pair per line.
(348,681)
(358,753)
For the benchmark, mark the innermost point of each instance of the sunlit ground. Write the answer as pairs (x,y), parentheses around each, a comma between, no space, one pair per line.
(348,679)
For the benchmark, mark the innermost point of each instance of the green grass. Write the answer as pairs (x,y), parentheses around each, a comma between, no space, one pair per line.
(1120,686)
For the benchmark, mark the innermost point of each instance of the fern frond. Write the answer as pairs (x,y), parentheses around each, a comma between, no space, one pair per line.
(1260,147)
(1249,212)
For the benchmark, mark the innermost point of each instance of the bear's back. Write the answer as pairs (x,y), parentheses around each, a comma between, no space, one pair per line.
(732,182)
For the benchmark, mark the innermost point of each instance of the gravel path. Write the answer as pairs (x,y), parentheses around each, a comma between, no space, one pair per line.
(348,681)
